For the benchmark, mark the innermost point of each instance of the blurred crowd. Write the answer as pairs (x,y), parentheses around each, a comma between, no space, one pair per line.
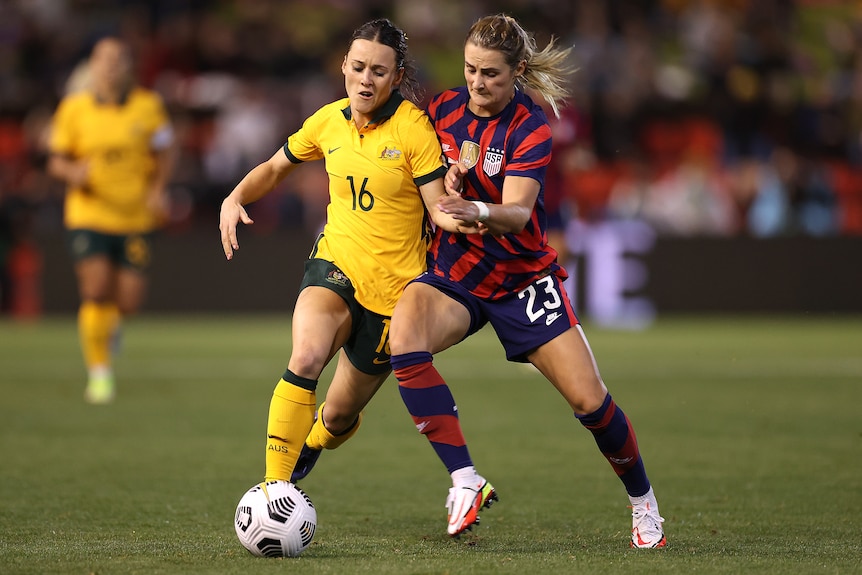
(700,117)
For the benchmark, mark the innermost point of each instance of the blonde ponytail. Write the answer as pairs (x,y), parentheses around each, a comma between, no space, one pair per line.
(546,71)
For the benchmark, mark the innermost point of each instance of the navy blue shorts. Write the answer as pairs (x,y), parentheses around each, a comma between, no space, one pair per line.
(523,320)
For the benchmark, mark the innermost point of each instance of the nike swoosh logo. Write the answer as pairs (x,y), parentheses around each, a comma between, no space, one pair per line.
(377,361)
(333,149)
(552,317)
(641,542)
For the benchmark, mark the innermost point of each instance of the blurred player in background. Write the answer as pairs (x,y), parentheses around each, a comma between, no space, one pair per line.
(111,144)
(499,143)
(385,167)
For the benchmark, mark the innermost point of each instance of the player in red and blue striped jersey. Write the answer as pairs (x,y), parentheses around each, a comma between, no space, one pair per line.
(498,145)
(513,143)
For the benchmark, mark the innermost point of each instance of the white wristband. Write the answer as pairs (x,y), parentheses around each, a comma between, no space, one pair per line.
(484,212)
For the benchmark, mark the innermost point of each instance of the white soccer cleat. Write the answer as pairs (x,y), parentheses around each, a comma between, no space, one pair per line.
(464,504)
(647,532)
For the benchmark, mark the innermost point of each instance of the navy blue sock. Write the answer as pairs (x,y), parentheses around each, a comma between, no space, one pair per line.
(616,440)
(432,406)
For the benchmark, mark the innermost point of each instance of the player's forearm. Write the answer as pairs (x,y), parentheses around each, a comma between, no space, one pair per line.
(261,180)
(506,218)
(432,192)
(512,214)
(165,161)
(446,221)
(66,169)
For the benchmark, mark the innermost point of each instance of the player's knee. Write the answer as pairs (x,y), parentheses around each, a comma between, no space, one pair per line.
(397,338)
(95,294)
(307,362)
(127,308)
(405,337)
(587,401)
(337,421)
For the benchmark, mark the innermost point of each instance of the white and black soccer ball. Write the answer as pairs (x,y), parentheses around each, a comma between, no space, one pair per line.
(275,519)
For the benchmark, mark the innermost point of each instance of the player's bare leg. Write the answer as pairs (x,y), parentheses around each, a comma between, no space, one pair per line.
(338,418)
(568,362)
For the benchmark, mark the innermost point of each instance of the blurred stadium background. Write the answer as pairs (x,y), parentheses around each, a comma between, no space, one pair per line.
(710,160)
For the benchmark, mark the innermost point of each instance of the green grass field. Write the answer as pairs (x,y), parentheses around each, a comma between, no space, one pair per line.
(750,429)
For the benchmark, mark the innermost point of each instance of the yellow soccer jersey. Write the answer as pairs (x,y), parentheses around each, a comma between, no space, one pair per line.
(376,225)
(117,141)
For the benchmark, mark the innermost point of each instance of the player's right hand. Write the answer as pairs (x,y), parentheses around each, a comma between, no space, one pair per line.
(78,175)
(231,214)
(453,182)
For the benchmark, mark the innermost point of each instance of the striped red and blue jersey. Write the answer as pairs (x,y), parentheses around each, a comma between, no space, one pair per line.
(515,142)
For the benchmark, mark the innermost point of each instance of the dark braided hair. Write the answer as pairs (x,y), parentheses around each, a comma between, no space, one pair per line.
(383,31)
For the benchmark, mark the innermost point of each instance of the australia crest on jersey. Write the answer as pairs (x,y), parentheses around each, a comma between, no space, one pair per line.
(493,161)
(338,278)
(469,153)
(389,153)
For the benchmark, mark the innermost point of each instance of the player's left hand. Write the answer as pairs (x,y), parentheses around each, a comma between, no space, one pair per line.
(159,203)
(459,208)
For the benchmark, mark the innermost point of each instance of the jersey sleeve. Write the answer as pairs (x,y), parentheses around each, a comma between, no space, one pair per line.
(304,144)
(531,150)
(426,156)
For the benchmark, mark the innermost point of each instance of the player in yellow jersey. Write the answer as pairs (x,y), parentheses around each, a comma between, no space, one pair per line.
(385,169)
(111,144)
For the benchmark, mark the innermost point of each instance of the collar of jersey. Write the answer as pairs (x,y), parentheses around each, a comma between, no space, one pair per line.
(124,97)
(385,111)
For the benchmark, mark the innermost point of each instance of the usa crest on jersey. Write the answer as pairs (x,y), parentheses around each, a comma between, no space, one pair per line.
(493,161)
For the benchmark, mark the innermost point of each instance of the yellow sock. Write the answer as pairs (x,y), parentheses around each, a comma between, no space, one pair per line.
(97,323)
(321,438)
(291,413)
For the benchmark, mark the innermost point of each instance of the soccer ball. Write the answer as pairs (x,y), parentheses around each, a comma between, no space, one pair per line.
(275,519)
